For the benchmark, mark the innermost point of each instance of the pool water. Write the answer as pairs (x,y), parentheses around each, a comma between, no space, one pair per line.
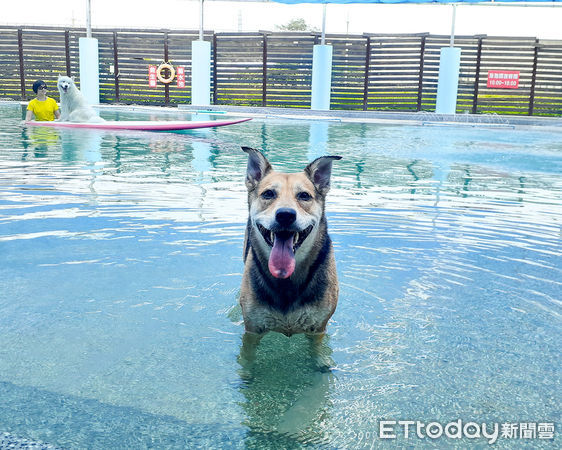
(121,261)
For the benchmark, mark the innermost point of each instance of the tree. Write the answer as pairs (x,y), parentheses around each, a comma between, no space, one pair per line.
(295,25)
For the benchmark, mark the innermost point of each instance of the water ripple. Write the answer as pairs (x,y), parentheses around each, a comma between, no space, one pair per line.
(121,260)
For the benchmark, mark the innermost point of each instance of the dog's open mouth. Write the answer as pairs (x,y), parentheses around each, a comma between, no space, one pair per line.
(297,237)
(283,245)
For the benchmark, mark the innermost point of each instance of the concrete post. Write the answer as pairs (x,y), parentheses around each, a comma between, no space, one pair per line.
(89,70)
(321,77)
(447,87)
(201,73)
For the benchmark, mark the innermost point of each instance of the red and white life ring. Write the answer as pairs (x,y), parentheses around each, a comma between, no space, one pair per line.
(159,75)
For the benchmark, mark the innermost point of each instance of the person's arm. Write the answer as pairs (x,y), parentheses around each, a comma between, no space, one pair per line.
(57,114)
(29,115)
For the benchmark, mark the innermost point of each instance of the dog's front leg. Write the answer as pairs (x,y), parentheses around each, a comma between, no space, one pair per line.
(320,352)
(250,342)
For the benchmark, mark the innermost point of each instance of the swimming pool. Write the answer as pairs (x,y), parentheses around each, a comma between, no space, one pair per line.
(121,260)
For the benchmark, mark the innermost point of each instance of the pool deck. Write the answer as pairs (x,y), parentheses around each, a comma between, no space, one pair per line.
(381,117)
(413,118)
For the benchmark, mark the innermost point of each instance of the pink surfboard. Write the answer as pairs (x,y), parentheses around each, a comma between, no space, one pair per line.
(139,125)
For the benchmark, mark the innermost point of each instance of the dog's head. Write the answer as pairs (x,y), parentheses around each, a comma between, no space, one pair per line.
(286,209)
(64,83)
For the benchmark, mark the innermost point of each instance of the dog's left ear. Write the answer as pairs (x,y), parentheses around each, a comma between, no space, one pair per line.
(72,77)
(319,172)
(258,167)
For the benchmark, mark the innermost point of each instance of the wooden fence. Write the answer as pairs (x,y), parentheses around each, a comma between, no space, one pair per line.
(370,72)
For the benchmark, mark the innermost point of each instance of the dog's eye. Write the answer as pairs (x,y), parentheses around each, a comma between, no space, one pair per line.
(304,196)
(268,194)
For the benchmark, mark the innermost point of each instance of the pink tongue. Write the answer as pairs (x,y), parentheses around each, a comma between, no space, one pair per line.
(282,258)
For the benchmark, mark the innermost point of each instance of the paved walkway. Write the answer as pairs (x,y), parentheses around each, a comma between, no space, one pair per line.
(413,118)
(380,116)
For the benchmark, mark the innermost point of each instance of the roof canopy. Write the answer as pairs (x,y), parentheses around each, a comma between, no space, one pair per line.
(292,2)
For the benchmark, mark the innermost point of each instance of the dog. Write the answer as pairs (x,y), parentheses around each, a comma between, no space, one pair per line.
(73,105)
(290,282)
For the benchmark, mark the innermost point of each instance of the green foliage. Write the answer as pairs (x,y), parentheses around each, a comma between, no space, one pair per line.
(295,25)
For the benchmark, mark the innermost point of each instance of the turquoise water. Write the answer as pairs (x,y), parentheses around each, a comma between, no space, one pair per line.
(120,265)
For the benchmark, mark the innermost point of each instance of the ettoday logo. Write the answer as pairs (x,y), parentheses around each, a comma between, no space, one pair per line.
(388,429)
(392,429)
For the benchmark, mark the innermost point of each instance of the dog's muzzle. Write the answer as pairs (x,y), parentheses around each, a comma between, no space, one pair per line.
(284,239)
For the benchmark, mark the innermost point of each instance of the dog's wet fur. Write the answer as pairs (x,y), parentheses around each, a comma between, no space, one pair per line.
(290,283)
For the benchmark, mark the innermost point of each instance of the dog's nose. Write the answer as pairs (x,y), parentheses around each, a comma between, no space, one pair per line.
(285,216)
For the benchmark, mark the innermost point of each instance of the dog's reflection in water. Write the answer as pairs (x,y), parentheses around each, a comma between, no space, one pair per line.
(286,384)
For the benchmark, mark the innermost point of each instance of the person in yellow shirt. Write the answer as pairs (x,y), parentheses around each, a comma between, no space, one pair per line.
(42,107)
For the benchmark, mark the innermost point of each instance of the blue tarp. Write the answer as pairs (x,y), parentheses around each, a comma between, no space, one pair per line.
(294,2)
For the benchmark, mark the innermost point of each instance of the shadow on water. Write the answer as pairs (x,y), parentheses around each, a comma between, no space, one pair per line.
(287,394)
(67,421)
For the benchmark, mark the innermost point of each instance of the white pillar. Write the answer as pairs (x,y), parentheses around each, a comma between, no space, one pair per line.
(448,84)
(89,70)
(201,73)
(321,77)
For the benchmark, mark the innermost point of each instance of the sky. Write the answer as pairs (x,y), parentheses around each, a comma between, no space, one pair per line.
(531,21)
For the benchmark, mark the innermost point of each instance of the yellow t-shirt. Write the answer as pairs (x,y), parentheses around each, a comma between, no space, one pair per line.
(43,110)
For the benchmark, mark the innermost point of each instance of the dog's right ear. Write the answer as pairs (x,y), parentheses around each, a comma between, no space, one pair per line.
(258,167)
(319,172)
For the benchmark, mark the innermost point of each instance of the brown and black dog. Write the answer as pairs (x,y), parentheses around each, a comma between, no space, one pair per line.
(290,283)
